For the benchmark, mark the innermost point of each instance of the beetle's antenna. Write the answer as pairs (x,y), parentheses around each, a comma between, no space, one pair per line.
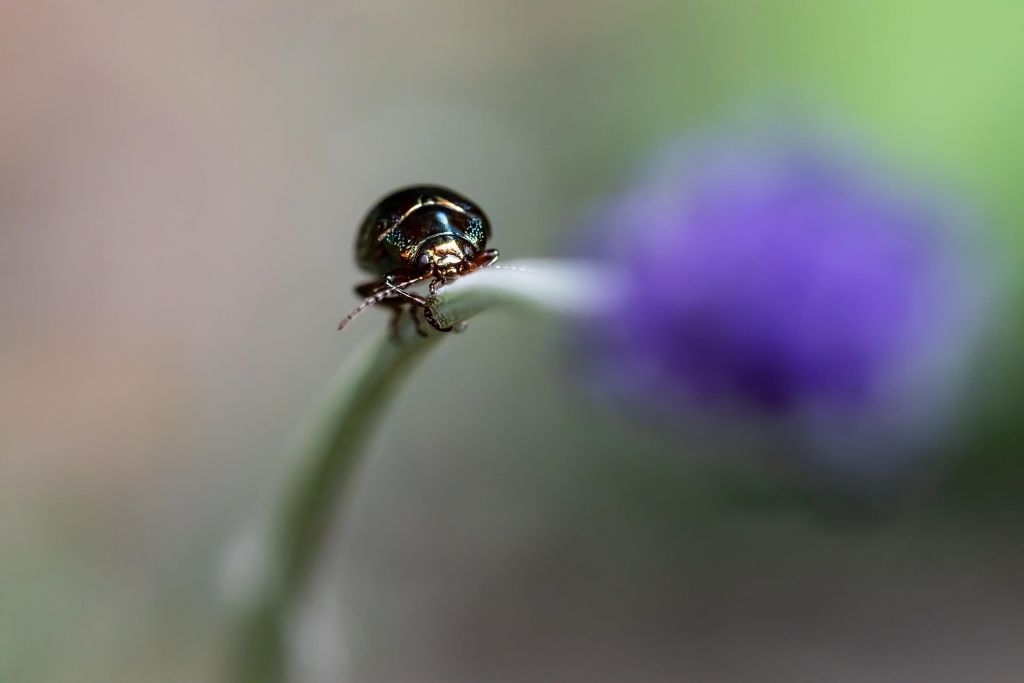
(366,303)
(377,297)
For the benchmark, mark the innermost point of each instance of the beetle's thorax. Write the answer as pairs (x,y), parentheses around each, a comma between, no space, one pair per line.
(446,256)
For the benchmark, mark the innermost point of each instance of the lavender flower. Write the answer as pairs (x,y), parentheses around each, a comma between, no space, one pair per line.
(782,278)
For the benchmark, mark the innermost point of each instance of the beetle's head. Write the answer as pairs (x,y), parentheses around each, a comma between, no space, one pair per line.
(446,256)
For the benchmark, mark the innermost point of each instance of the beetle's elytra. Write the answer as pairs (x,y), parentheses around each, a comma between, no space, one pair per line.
(415,234)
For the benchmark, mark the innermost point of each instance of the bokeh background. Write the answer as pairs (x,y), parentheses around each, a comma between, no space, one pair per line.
(179,188)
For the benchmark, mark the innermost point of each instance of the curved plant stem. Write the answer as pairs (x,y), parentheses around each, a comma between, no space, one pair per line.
(352,406)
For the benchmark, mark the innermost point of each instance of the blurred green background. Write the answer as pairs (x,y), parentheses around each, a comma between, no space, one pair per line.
(179,187)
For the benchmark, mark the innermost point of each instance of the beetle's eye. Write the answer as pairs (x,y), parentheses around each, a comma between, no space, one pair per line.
(424,260)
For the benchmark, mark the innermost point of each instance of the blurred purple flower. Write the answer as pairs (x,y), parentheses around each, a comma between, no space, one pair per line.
(783,278)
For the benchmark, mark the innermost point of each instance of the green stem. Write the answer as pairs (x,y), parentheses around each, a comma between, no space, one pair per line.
(353,405)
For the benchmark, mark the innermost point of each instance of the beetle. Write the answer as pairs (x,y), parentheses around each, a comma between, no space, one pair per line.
(414,234)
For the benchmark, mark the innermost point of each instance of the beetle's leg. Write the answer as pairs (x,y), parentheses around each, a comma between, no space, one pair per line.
(429,315)
(416,320)
(391,292)
(407,295)
(417,301)
(396,318)
(394,291)
(394,285)
(487,258)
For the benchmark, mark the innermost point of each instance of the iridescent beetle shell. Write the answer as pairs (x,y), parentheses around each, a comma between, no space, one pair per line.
(416,234)
(405,223)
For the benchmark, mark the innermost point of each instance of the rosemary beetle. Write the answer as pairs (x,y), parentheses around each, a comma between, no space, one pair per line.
(413,235)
